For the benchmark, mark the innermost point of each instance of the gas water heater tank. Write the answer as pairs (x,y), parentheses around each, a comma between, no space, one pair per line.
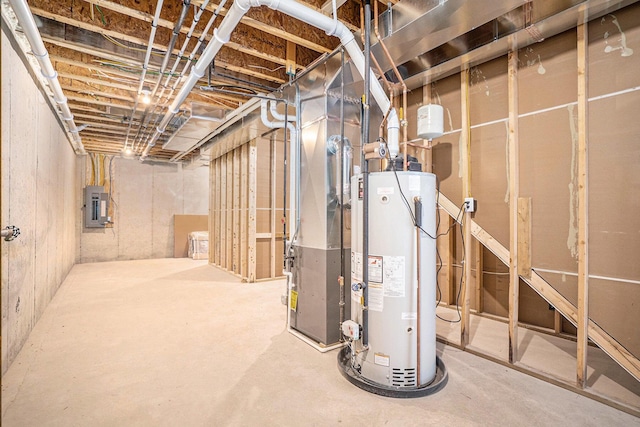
(396,351)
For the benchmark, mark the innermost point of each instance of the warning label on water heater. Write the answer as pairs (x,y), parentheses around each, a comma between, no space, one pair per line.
(375,269)
(393,276)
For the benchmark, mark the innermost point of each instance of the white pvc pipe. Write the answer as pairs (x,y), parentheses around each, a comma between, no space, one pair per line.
(293,159)
(289,7)
(145,66)
(30,29)
(393,133)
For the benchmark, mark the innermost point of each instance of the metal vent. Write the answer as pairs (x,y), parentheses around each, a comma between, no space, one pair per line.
(403,377)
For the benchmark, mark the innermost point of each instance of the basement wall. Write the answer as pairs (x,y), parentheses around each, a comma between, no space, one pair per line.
(38,196)
(145,198)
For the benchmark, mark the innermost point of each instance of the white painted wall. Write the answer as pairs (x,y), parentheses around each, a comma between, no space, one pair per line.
(39,196)
(146,197)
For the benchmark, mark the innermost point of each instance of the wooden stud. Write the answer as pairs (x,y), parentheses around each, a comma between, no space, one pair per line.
(291,58)
(212,206)
(229,213)
(272,203)
(603,340)
(524,236)
(223,212)
(244,208)
(236,211)
(253,182)
(479,277)
(583,226)
(514,278)
(557,322)
(215,242)
(465,147)
(451,258)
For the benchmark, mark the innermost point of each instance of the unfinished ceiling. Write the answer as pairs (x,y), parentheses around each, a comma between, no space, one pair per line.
(98,48)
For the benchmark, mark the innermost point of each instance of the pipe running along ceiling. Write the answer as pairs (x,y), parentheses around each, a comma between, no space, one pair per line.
(198,61)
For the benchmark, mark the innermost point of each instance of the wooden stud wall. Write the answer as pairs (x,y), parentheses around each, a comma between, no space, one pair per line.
(521,305)
(244,210)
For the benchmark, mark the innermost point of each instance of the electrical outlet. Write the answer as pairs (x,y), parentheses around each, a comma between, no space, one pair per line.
(469,204)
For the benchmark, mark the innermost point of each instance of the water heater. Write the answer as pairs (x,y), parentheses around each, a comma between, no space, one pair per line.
(391,334)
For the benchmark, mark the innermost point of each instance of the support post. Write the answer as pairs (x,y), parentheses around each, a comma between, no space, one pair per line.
(465,147)
(514,278)
(583,226)
(272,205)
(244,208)
(253,182)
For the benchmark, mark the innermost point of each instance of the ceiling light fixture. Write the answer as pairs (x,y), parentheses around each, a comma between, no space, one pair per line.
(146,91)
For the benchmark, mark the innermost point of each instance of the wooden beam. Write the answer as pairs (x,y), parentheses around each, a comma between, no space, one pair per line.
(451,257)
(524,236)
(212,7)
(218,202)
(291,58)
(603,340)
(244,208)
(253,182)
(236,210)
(557,322)
(96,93)
(583,226)
(465,147)
(94,81)
(94,51)
(272,203)
(102,69)
(228,158)
(223,212)
(514,184)
(212,210)
(95,28)
(479,277)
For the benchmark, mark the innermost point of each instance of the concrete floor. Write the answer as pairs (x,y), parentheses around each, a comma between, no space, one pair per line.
(179,343)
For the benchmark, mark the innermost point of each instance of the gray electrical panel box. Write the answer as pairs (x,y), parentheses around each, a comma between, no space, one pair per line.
(96,207)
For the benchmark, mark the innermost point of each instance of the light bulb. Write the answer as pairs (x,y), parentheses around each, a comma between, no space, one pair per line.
(146,99)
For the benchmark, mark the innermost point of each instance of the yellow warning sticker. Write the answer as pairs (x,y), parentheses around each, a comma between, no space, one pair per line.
(294,300)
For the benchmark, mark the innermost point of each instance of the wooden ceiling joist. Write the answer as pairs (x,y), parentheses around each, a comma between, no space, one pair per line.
(142,42)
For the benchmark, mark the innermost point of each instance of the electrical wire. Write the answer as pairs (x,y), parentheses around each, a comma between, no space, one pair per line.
(458,219)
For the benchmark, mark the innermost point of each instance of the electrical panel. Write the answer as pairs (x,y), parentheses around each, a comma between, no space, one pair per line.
(96,207)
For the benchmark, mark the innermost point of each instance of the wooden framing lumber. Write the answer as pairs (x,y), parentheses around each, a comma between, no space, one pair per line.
(465,147)
(583,226)
(514,183)
(524,236)
(244,207)
(236,211)
(597,335)
(272,204)
(479,277)
(253,182)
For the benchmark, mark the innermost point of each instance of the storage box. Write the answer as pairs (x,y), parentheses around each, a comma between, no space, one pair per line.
(199,245)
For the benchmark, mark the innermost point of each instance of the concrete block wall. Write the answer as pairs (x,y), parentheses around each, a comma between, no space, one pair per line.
(145,197)
(39,196)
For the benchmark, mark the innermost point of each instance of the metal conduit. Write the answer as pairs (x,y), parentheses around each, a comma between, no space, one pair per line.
(289,7)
